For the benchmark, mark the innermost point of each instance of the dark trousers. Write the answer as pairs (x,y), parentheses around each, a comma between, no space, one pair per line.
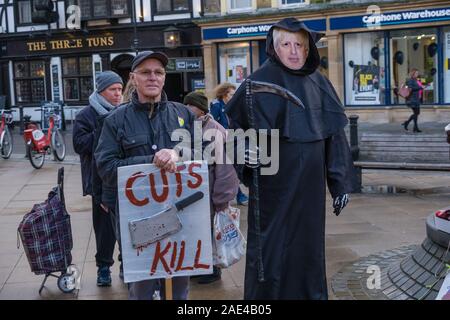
(414,117)
(115,223)
(105,237)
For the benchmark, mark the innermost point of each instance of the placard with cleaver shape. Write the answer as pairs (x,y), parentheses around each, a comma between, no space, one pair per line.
(165,223)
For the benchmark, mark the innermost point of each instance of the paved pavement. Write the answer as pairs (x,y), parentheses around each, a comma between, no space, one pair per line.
(370,224)
(373,222)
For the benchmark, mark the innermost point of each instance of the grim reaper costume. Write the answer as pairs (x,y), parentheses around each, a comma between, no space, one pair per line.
(313,152)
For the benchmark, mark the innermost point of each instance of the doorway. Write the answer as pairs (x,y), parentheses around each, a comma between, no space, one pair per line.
(174,87)
(122,66)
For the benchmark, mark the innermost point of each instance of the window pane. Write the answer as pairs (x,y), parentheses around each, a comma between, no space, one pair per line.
(21,70)
(261,4)
(24,8)
(180,5)
(212,6)
(447,65)
(70,66)
(23,93)
(37,69)
(85,6)
(37,90)
(163,5)
(241,4)
(119,7)
(71,89)
(86,66)
(100,8)
(414,49)
(234,63)
(87,87)
(365,81)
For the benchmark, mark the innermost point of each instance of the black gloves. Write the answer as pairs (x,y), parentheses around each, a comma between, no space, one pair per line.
(339,203)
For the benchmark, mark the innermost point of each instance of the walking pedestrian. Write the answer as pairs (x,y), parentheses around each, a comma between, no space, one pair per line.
(413,101)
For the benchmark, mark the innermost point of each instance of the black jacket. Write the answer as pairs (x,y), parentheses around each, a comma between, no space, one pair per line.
(414,98)
(130,137)
(83,142)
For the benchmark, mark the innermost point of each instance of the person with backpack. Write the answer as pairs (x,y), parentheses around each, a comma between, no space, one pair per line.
(413,99)
(106,98)
(224,92)
(139,132)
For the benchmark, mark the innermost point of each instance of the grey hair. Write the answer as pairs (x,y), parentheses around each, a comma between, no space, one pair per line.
(279,33)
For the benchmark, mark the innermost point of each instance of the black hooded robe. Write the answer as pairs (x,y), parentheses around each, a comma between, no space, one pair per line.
(313,151)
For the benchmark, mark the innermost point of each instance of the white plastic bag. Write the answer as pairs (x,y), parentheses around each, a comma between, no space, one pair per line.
(229,243)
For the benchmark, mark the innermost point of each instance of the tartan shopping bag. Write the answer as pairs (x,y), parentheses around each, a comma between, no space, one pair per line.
(46,235)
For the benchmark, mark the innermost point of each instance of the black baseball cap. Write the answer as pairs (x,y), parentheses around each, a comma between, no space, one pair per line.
(144,55)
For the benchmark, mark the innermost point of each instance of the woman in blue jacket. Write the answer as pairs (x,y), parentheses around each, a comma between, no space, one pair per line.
(224,93)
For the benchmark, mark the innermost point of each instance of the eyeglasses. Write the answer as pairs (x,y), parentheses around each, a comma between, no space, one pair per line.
(159,73)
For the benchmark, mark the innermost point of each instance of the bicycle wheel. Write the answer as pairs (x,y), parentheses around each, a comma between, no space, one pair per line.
(36,159)
(58,145)
(6,143)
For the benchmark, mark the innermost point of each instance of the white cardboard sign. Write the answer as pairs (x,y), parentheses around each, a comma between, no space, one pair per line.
(145,190)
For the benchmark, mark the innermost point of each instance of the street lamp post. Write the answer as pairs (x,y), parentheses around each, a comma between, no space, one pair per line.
(133,15)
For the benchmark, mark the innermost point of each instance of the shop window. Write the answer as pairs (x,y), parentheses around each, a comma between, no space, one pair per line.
(291,3)
(239,5)
(170,6)
(29,80)
(211,6)
(365,80)
(234,62)
(77,78)
(96,9)
(418,49)
(447,64)
(24,11)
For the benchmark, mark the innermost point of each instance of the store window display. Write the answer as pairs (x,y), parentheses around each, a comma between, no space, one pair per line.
(365,81)
(234,62)
(415,48)
(446,64)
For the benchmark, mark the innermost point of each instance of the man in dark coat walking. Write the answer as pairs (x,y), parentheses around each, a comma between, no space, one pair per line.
(107,96)
(313,152)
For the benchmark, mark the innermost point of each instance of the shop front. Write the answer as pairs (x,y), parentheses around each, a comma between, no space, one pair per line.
(367,56)
(232,53)
(62,67)
(379,51)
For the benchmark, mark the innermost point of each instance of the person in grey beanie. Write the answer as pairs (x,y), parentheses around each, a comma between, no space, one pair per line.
(108,95)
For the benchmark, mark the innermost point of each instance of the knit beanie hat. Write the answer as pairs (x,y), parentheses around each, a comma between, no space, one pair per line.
(198,100)
(106,79)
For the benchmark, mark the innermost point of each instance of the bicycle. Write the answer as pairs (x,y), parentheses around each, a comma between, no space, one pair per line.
(38,144)
(6,138)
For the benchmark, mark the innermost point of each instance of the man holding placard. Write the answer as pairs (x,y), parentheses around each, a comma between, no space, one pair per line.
(140,133)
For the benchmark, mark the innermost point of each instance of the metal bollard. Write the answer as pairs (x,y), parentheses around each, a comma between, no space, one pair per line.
(22,126)
(354,136)
(357,181)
